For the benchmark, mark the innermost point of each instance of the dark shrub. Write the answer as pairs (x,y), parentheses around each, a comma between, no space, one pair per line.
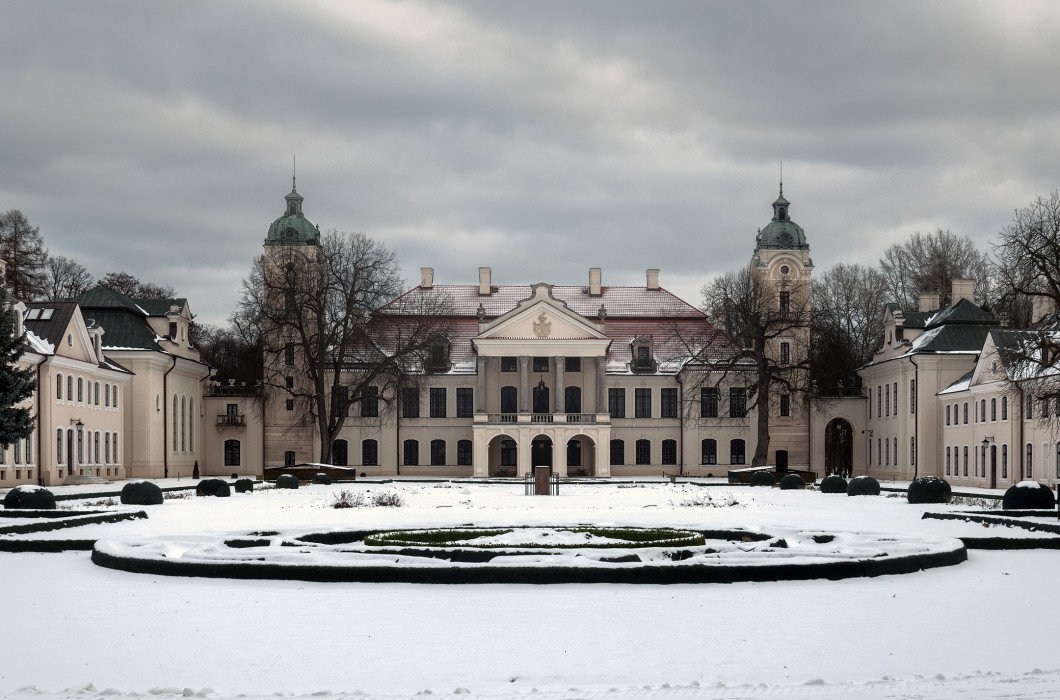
(863,486)
(321,478)
(1028,495)
(213,487)
(763,479)
(244,485)
(928,489)
(792,481)
(833,484)
(286,481)
(235,476)
(141,493)
(30,497)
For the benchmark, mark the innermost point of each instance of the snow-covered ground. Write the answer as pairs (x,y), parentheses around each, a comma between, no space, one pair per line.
(982,629)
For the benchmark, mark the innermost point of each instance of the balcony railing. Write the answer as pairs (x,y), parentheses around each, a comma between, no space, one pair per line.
(230,420)
(585,418)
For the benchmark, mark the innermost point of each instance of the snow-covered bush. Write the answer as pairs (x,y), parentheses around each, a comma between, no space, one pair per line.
(1028,495)
(763,479)
(792,481)
(213,487)
(388,499)
(833,484)
(287,481)
(30,497)
(321,478)
(348,499)
(141,493)
(705,499)
(244,485)
(863,486)
(928,489)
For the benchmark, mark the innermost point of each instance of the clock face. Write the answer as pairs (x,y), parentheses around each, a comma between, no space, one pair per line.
(288,234)
(785,238)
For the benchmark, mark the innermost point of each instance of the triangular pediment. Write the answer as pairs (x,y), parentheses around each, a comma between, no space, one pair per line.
(544,324)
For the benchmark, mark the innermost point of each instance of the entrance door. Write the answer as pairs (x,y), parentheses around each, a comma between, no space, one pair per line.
(541,452)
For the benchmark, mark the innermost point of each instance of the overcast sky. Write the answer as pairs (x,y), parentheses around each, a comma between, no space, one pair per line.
(538,138)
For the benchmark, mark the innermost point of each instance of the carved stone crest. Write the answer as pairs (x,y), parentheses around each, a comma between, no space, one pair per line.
(542,326)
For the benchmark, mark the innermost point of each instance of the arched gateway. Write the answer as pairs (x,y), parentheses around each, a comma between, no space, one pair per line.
(839,447)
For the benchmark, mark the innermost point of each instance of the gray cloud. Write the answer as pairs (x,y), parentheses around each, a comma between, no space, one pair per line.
(537,138)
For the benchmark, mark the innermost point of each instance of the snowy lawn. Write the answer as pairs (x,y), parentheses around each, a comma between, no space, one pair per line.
(982,629)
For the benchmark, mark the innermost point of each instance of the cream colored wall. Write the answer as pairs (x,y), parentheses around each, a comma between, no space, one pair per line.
(216,430)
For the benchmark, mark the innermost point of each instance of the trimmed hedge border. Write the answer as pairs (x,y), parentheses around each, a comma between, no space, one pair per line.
(74,519)
(649,574)
(1010,519)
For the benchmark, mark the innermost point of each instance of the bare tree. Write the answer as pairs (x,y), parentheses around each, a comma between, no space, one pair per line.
(65,278)
(131,286)
(232,357)
(745,304)
(336,316)
(847,324)
(22,248)
(930,262)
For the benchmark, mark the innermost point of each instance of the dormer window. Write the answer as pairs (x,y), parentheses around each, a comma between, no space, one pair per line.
(438,356)
(643,360)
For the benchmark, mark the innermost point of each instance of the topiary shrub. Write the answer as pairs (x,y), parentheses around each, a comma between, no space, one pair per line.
(244,485)
(763,479)
(213,487)
(321,478)
(287,481)
(1028,495)
(792,481)
(863,486)
(833,484)
(928,489)
(141,493)
(30,498)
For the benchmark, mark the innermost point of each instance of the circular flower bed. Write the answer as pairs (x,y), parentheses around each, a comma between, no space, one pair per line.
(539,537)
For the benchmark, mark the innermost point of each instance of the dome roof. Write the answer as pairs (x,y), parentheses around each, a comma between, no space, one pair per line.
(293,228)
(782,233)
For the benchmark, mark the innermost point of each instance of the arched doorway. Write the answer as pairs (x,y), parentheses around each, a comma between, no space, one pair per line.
(541,452)
(502,456)
(581,456)
(839,447)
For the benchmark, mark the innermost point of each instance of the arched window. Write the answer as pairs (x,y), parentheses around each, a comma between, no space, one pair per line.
(982,411)
(80,390)
(708,451)
(993,409)
(95,392)
(80,446)
(574,453)
(643,451)
(964,413)
(183,424)
(95,447)
(1004,408)
(114,448)
(175,422)
(59,386)
(369,453)
(1028,468)
(411,453)
(69,387)
(340,456)
(437,453)
(1058,460)
(947,414)
(947,460)
(1004,461)
(463,453)
(232,453)
(618,452)
(669,451)
(106,447)
(737,452)
(59,456)
(106,395)
(191,425)
(114,396)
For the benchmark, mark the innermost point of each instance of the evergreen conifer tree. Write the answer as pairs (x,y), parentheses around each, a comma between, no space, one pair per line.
(16,384)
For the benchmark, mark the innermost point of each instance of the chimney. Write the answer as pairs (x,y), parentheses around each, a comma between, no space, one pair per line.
(427,277)
(1041,307)
(929,301)
(962,289)
(653,278)
(485,285)
(594,281)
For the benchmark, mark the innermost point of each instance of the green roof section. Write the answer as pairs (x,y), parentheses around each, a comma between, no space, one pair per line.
(782,233)
(293,228)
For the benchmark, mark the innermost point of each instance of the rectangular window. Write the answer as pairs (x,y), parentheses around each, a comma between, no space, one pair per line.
(463,453)
(1030,407)
(887,400)
(642,403)
(1030,461)
(965,460)
(785,353)
(785,302)
(737,402)
(737,452)
(465,402)
(785,405)
(541,364)
(708,402)
(288,354)
(289,404)
(912,397)
(411,452)
(572,364)
(669,403)
(709,451)
(370,403)
(643,449)
(669,452)
(912,451)
(616,402)
(948,461)
(618,452)
(437,402)
(1004,461)
(437,453)
(879,401)
(410,402)
(340,398)
(508,364)
(896,409)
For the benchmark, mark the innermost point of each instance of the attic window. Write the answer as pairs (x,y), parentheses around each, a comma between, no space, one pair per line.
(438,358)
(642,355)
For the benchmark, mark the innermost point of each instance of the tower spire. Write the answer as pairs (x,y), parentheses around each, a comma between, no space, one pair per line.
(781,178)
(294,170)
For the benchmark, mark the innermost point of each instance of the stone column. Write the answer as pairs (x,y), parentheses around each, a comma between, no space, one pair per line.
(560,408)
(480,391)
(601,385)
(524,384)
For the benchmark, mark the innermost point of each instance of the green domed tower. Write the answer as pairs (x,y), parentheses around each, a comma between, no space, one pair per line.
(293,228)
